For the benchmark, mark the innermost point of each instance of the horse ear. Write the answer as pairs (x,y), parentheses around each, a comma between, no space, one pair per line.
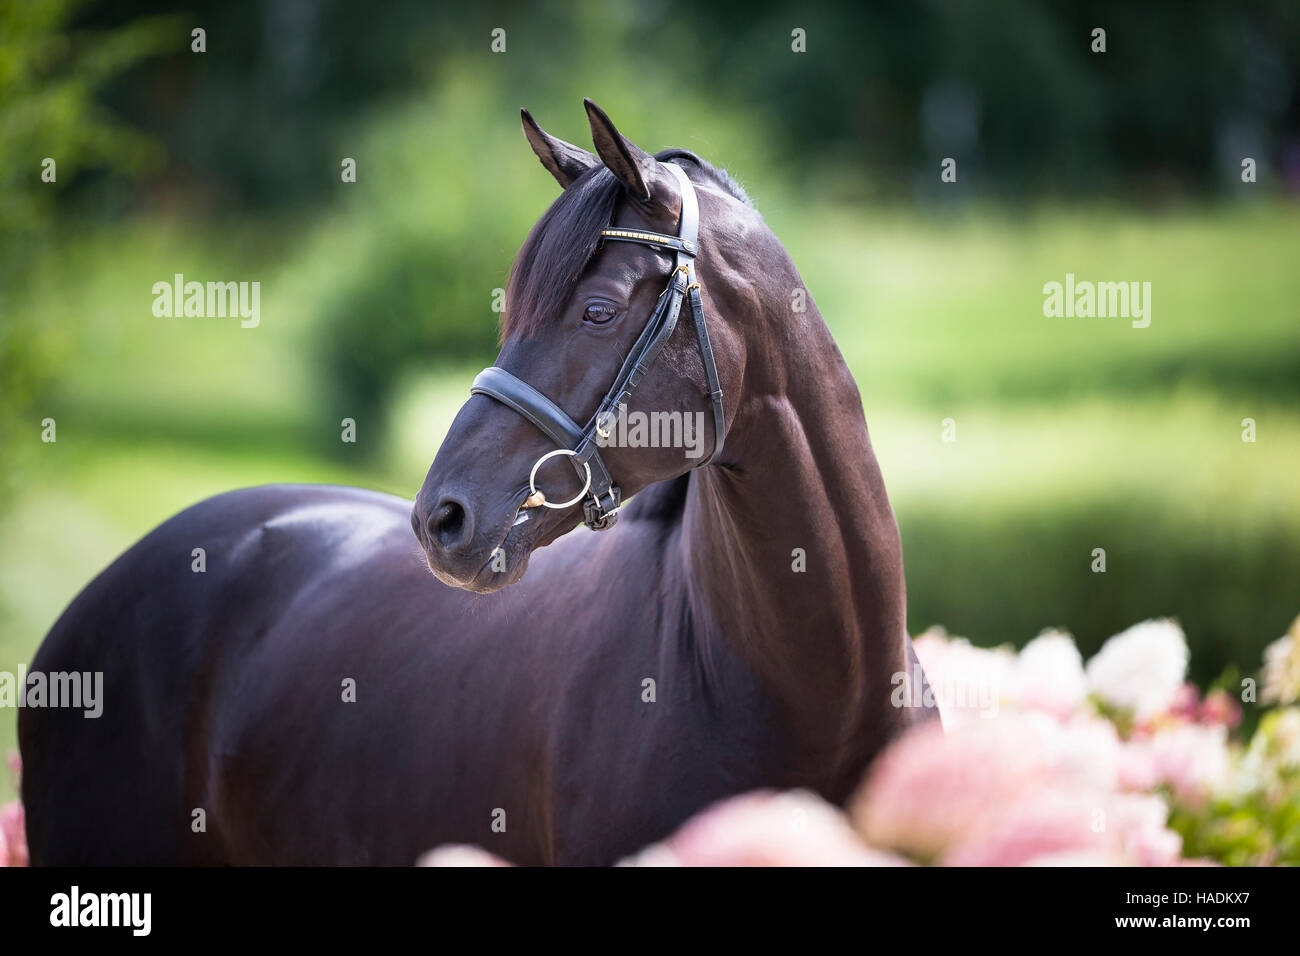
(634,167)
(562,160)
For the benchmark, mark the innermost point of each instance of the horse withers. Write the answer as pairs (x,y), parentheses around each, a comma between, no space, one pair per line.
(315,696)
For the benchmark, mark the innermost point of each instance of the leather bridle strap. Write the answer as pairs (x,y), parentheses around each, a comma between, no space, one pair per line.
(529,402)
(603,498)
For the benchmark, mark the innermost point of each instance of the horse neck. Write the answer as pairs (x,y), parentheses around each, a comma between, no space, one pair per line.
(826,638)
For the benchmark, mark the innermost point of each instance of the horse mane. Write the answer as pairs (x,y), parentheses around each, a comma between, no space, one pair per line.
(561,244)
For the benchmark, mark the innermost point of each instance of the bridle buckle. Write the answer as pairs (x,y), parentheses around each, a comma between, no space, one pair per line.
(597,516)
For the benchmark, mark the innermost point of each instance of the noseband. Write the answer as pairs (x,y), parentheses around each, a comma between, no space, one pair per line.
(601,497)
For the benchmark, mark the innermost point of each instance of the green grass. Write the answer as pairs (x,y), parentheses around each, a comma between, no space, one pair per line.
(947,311)
(999,526)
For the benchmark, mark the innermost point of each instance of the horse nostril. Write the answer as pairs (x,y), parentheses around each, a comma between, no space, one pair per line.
(449,526)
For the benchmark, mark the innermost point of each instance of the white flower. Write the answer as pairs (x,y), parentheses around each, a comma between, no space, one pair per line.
(1049,675)
(1282,668)
(1286,737)
(1141,669)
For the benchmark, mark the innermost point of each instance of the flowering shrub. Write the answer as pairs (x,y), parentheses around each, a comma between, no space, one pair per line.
(1120,760)
(1041,760)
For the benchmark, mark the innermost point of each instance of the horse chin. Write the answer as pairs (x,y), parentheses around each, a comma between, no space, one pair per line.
(486,580)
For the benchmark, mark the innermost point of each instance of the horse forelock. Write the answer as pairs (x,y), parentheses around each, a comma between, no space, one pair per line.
(561,243)
(557,250)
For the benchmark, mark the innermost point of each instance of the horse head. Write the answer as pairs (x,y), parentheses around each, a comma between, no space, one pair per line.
(581,312)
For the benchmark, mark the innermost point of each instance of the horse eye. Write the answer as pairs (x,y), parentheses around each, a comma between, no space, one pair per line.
(598,313)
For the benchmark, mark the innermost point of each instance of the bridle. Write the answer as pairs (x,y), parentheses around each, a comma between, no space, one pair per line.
(600,496)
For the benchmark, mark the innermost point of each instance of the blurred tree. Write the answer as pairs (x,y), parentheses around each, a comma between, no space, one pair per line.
(1037,108)
(52,130)
(883,91)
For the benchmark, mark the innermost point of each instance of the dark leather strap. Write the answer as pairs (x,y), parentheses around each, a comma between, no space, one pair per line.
(689,229)
(600,506)
(529,402)
(644,353)
(710,374)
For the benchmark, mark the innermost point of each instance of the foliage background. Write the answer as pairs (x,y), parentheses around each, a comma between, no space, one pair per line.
(1072,434)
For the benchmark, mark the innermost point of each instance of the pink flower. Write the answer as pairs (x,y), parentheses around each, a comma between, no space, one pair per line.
(968,682)
(1193,759)
(1044,823)
(13,827)
(764,828)
(1219,707)
(1185,702)
(1074,858)
(1052,824)
(460,854)
(1141,820)
(930,788)
(1010,791)
(1137,766)
(13,835)
(1084,752)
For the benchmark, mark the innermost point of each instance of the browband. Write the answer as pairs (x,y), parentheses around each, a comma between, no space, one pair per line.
(603,498)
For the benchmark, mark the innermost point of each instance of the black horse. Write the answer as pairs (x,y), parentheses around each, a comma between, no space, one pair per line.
(316,697)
